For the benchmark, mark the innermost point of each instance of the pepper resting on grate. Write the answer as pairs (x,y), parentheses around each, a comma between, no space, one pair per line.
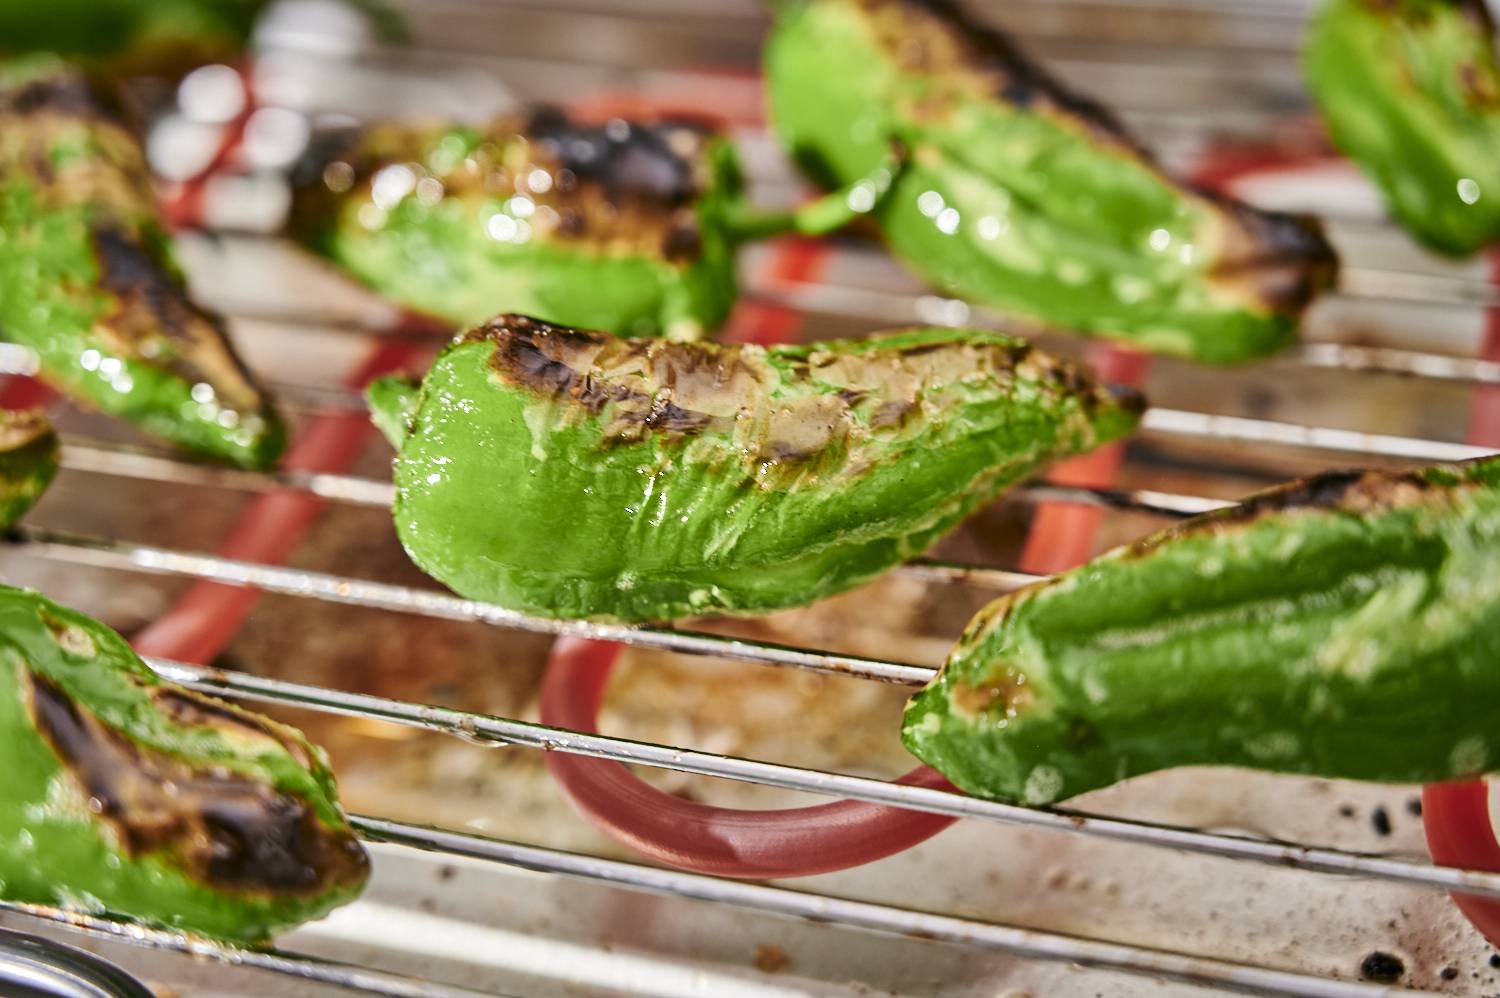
(575,474)
(87,278)
(1024,196)
(1411,90)
(1347,626)
(135,797)
(629,227)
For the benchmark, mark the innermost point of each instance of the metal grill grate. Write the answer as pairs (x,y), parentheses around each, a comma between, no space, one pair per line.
(1224,29)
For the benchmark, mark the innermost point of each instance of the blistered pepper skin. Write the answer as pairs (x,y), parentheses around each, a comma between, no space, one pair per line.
(131,796)
(29,457)
(87,278)
(1025,197)
(1345,627)
(1410,89)
(625,227)
(579,475)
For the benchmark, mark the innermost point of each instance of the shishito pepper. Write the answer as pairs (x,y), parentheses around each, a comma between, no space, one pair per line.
(1347,626)
(132,796)
(626,227)
(151,36)
(29,456)
(576,474)
(1411,90)
(1022,195)
(87,278)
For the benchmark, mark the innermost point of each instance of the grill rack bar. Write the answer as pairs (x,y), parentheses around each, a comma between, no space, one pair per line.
(333,973)
(782,901)
(487,729)
(81,454)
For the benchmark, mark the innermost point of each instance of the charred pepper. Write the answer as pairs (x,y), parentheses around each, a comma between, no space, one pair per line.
(88,282)
(627,227)
(1411,90)
(29,456)
(1347,626)
(576,474)
(128,795)
(1024,196)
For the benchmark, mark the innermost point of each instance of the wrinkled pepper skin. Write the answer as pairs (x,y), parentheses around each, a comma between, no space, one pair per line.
(625,228)
(575,474)
(1347,626)
(1023,196)
(29,457)
(87,278)
(1410,89)
(132,796)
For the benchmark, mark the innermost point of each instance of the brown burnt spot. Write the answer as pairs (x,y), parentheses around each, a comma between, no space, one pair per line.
(1357,492)
(892,413)
(1279,261)
(647,385)
(771,959)
(21,428)
(940,38)
(621,187)
(225,829)
(188,709)
(683,242)
(1004,692)
(64,92)
(152,317)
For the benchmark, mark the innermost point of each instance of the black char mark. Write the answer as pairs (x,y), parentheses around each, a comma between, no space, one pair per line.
(1286,257)
(1329,490)
(225,829)
(1026,84)
(628,160)
(541,357)
(67,93)
(152,301)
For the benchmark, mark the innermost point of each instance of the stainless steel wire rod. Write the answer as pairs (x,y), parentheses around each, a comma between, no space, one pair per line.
(125,462)
(105,553)
(882,918)
(344,976)
(486,728)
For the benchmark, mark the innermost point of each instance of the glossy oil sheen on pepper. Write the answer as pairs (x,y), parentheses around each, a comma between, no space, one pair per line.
(623,227)
(1345,627)
(1024,196)
(129,796)
(575,474)
(88,282)
(1411,90)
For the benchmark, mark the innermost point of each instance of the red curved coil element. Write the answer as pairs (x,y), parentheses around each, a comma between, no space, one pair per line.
(726,842)
(1456,818)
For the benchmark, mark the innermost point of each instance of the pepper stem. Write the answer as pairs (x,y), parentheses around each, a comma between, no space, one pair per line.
(393,404)
(826,214)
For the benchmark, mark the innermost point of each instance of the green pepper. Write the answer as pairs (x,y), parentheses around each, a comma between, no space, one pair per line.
(29,456)
(145,36)
(1021,195)
(575,474)
(1347,626)
(132,796)
(1411,90)
(628,227)
(87,278)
